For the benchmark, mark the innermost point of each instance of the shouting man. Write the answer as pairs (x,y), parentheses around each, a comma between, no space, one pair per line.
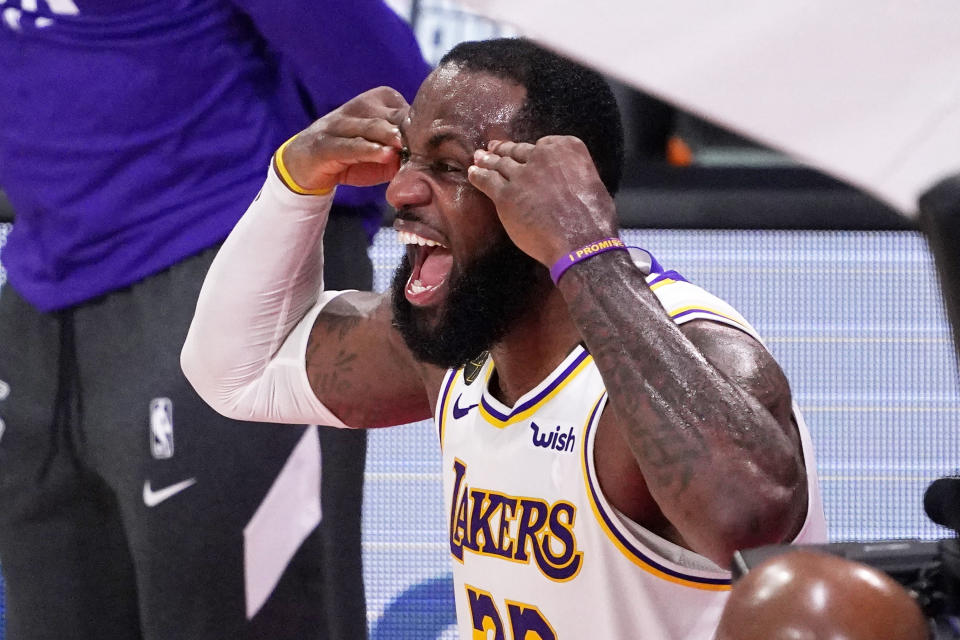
(611,433)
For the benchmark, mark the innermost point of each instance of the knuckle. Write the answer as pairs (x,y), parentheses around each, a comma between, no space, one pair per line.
(317,143)
(358,105)
(318,126)
(387,94)
(560,141)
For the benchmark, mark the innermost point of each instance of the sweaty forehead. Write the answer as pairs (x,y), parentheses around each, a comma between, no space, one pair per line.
(476,106)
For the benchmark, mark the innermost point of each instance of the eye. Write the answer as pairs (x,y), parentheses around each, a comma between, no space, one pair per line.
(404,154)
(444,167)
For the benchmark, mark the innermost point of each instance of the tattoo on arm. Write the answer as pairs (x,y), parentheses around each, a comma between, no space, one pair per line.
(331,377)
(679,413)
(357,369)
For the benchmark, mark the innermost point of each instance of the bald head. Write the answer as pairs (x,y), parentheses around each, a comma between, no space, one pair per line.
(804,595)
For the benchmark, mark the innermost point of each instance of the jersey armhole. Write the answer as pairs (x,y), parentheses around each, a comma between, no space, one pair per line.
(620,536)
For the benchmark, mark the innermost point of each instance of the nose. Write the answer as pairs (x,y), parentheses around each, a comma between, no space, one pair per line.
(408,188)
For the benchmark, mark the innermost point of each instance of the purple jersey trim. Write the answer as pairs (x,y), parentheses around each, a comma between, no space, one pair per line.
(655,266)
(442,409)
(584,354)
(667,275)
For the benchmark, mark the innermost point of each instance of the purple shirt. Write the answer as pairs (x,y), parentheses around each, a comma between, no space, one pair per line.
(135,133)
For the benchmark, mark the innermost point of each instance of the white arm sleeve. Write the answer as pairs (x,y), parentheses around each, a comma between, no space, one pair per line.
(245,351)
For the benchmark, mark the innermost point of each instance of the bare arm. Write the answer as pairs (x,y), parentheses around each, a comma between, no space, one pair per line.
(359,367)
(710,436)
(704,410)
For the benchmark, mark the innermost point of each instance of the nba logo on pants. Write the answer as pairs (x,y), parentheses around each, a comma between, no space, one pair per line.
(161,428)
(4,392)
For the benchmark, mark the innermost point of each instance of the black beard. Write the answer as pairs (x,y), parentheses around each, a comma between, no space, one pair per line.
(484,301)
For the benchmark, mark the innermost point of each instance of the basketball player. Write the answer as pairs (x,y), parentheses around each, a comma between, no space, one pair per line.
(610,432)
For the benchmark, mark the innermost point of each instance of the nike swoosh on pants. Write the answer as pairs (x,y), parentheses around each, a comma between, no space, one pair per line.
(152,498)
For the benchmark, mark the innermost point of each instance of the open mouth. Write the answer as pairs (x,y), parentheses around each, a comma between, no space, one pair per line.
(430,263)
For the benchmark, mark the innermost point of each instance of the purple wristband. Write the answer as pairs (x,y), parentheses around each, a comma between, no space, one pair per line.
(584,252)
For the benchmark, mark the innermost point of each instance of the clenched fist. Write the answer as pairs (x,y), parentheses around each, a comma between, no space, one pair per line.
(548,195)
(356,144)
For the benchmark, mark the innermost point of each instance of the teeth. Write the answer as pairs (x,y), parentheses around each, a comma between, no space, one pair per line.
(406,237)
(418,287)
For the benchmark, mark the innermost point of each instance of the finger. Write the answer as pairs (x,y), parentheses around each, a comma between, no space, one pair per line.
(389,97)
(382,102)
(519,151)
(505,166)
(318,161)
(398,115)
(380,98)
(365,174)
(374,129)
(489,182)
(348,151)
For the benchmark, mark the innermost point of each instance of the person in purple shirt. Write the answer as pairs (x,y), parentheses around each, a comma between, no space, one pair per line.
(133,136)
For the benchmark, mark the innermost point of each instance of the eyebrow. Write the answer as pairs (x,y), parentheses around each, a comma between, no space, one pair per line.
(438,139)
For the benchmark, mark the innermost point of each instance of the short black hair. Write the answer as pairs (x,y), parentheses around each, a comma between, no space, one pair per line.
(563,97)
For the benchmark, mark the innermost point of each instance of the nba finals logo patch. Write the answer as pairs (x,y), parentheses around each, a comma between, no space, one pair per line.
(161,428)
(472,369)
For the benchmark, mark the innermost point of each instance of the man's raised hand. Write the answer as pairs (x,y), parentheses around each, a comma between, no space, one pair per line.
(356,144)
(548,195)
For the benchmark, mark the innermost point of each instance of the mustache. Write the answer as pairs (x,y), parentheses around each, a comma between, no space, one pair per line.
(407,215)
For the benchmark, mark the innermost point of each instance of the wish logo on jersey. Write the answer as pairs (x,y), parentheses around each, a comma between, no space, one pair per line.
(515,528)
(552,439)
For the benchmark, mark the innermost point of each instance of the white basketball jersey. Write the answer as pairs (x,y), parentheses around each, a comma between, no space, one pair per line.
(538,552)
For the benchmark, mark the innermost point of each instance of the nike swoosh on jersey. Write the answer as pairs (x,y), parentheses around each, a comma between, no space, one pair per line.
(152,498)
(459,412)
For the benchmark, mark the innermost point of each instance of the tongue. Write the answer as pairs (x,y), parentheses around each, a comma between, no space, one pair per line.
(436,265)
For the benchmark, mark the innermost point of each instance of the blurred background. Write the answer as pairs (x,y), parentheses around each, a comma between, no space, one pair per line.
(842,288)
